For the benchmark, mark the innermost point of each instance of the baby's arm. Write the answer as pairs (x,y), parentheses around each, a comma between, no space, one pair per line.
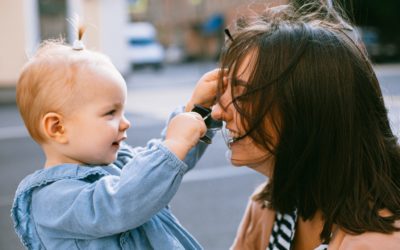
(204,95)
(126,152)
(113,204)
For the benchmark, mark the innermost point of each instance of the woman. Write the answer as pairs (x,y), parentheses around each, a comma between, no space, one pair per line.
(303,107)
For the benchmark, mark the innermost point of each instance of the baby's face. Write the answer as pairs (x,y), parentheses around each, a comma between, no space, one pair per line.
(97,125)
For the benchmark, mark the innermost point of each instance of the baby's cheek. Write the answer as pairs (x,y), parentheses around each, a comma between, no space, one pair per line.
(114,124)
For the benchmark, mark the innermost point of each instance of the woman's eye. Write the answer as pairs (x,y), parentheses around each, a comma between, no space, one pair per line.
(239,90)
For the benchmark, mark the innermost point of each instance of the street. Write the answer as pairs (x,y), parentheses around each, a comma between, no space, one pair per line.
(212,197)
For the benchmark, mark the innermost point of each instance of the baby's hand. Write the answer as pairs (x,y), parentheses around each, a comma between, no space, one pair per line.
(205,91)
(184,132)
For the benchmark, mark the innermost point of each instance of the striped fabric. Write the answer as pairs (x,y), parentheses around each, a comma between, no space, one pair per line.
(283,232)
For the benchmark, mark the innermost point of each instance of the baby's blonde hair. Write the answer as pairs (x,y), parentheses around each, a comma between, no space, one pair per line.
(48,82)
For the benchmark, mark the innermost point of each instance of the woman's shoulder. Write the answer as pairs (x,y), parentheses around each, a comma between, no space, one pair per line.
(370,240)
(256,225)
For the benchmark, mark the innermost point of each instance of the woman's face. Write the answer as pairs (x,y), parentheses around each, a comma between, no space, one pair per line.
(244,152)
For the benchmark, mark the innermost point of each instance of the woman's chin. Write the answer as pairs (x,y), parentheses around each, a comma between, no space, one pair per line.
(236,164)
(229,157)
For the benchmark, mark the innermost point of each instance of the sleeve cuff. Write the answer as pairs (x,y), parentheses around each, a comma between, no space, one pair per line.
(176,162)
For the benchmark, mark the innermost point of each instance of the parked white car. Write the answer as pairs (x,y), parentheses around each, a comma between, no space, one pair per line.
(143,46)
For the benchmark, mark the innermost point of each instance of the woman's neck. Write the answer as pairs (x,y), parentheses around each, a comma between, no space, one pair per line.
(308,232)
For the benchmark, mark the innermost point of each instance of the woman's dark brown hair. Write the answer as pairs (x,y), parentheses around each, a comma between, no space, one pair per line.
(314,84)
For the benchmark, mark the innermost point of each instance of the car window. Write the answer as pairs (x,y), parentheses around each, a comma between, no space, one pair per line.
(140,41)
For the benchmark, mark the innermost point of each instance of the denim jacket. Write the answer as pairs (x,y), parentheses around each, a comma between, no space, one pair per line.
(120,206)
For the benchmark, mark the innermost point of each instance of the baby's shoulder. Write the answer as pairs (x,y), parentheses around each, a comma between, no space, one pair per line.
(62,185)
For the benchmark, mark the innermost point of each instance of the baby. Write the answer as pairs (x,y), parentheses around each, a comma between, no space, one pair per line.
(95,192)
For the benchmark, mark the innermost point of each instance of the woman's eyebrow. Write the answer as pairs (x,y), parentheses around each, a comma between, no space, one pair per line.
(240,82)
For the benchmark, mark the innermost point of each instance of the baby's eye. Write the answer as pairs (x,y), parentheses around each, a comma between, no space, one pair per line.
(111,112)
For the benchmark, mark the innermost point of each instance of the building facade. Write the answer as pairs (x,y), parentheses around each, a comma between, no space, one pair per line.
(194,25)
(25,23)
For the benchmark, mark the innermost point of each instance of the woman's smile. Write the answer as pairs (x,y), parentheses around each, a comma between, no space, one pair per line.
(232,137)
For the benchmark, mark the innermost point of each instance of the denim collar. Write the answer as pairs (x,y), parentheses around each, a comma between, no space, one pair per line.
(20,211)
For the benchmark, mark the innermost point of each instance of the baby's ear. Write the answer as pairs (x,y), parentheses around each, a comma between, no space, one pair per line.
(54,128)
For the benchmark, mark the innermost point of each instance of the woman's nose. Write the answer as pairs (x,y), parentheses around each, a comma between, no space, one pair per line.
(216,112)
(125,123)
(222,110)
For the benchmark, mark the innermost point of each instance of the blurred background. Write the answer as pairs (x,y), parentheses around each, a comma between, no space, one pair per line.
(155,33)
(162,47)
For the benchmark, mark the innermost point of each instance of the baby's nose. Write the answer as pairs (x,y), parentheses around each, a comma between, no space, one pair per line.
(125,123)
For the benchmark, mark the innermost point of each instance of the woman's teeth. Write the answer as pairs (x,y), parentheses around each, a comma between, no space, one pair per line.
(233,134)
(232,137)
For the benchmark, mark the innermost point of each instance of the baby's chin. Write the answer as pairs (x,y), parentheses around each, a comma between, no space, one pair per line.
(101,162)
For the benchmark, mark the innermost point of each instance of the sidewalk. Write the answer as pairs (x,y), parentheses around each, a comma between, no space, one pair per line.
(387,69)
(172,86)
(157,96)
(157,103)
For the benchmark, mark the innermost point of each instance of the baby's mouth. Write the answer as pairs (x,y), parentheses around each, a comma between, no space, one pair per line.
(118,142)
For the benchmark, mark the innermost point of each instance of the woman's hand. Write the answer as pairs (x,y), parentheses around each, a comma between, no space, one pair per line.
(205,91)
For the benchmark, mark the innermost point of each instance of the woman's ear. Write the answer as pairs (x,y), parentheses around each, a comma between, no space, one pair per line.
(54,128)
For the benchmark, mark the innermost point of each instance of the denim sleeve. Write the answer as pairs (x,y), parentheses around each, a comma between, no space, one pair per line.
(113,204)
(126,152)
